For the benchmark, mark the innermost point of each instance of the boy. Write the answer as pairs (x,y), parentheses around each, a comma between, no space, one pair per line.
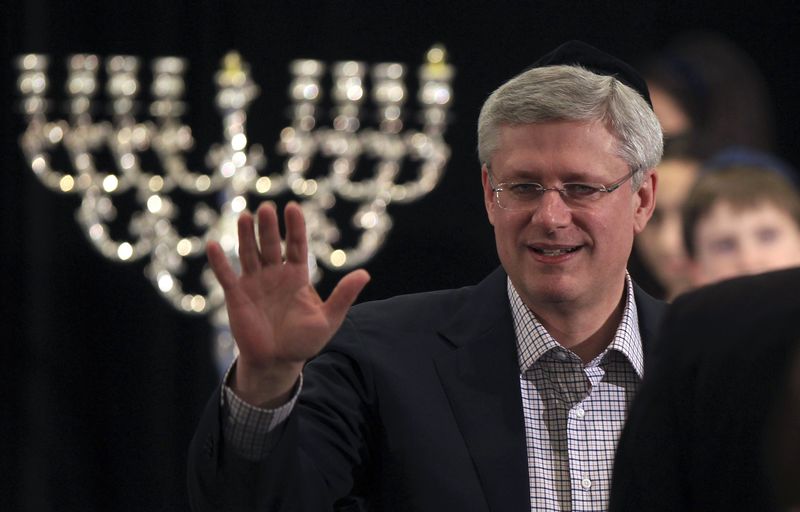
(739,220)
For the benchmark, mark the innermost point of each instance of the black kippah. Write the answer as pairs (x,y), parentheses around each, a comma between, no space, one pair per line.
(596,61)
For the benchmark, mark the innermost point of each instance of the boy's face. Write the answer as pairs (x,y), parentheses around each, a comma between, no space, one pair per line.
(733,242)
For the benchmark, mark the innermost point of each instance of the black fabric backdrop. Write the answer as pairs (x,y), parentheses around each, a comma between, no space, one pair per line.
(103,380)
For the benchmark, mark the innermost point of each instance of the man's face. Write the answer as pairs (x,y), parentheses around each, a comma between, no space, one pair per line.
(556,254)
(733,242)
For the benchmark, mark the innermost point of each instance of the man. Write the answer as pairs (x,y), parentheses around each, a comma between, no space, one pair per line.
(716,425)
(508,395)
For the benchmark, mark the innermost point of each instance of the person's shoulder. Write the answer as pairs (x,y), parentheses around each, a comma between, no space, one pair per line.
(776,291)
(430,308)
(731,317)
(735,311)
(413,307)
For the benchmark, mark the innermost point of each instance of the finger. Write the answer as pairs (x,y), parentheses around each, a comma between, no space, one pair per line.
(344,295)
(269,236)
(220,265)
(296,242)
(248,250)
(225,275)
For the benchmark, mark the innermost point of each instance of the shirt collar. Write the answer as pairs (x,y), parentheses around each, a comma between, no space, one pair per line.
(533,340)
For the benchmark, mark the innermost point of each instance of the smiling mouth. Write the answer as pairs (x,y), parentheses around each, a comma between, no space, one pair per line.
(555,252)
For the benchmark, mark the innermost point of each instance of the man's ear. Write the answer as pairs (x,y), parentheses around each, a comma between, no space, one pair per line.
(644,201)
(489,198)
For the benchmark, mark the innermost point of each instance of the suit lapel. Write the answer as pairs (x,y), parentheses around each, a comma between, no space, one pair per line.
(651,312)
(481,380)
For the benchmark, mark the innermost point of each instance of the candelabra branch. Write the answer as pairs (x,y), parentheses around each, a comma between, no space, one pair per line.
(360,165)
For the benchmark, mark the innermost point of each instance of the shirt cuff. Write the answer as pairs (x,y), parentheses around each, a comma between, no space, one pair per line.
(246,427)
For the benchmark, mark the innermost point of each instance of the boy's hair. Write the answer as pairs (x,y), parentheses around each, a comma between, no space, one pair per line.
(743,187)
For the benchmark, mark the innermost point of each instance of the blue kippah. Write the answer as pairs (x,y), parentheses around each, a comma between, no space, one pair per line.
(740,156)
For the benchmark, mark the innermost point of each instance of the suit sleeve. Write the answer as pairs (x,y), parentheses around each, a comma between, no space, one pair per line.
(319,455)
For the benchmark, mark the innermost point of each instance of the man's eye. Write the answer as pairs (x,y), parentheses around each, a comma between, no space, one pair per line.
(580,189)
(525,189)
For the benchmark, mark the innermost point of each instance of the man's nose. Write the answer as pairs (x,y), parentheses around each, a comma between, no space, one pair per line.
(551,211)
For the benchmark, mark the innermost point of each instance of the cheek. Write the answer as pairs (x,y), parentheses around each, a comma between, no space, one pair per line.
(786,238)
(509,228)
(785,248)
(600,227)
(615,235)
(506,225)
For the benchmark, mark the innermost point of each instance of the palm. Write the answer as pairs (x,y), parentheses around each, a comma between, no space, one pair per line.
(277,318)
(281,316)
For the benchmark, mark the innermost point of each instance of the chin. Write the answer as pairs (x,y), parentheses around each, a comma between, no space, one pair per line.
(541,291)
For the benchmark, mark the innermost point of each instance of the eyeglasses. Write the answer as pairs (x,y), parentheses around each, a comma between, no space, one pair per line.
(526,195)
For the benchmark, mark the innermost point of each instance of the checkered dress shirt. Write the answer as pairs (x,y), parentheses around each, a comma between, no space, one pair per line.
(574,412)
(246,427)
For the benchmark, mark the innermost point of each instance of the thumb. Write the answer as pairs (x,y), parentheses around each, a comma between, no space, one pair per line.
(344,295)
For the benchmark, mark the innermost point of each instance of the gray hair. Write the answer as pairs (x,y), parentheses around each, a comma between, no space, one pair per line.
(573,93)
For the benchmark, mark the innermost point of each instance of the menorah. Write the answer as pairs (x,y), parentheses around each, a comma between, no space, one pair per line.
(236,171)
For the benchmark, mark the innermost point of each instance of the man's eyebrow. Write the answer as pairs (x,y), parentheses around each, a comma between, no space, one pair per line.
(588,174)
(518,174)
(536,175)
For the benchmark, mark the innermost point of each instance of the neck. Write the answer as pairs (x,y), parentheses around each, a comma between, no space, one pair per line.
(585,331)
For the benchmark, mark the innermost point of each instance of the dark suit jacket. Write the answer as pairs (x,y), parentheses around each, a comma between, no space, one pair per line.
(414,405)
(694,439)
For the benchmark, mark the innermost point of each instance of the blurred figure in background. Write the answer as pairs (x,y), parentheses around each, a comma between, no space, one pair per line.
(708,95)
(705,86)
(660,246)
(742,217)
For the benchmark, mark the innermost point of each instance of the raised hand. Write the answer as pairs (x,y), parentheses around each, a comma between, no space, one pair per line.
(277,318)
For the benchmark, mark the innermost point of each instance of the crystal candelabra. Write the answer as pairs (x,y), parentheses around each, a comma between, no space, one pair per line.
(236,171)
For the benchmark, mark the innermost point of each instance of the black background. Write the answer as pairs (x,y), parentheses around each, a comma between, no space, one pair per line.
(103,381)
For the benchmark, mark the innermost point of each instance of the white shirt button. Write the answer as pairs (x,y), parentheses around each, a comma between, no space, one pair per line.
(580,413)
(586,483)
